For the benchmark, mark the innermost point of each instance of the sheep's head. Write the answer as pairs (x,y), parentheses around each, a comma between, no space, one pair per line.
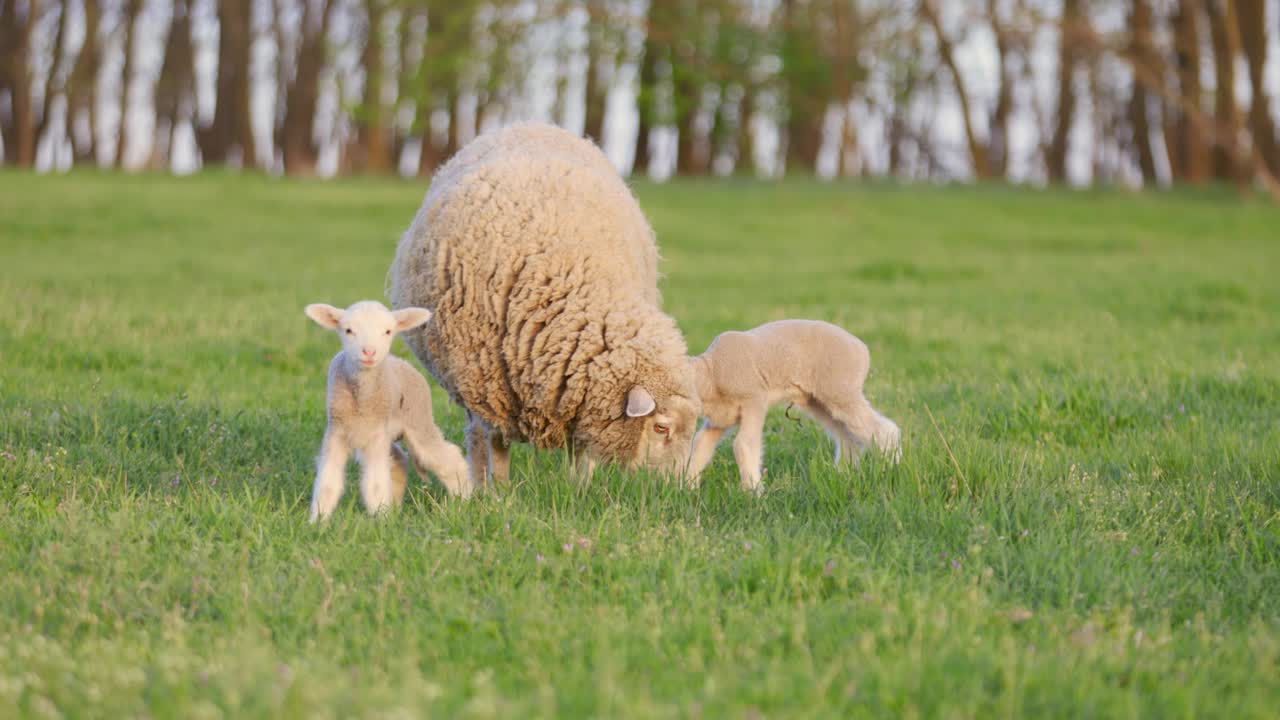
(669,413)
(367,328)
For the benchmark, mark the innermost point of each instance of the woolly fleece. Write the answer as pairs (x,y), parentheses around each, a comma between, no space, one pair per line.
(542,273)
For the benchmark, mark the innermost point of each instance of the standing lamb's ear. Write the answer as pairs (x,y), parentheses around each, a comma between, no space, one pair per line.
(325,315)
(410,318)
(640,402)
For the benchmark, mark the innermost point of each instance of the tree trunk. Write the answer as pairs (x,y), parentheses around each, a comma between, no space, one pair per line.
(1252,18)
(232,125)
(1226,162)
(646,104)
(596,87)
(1189,155)
(998,139)
(56,84)
(745,159)
(82,86)
(19,129)
(373,151)
(174,98)
(1143,56)
(298,143)
(124,136)
(977,149)
(1068,53)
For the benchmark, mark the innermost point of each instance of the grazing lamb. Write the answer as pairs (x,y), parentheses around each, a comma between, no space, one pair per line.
(375,399)
(814,365)
(542,273)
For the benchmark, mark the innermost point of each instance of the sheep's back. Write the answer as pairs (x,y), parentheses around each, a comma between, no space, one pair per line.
(526,241)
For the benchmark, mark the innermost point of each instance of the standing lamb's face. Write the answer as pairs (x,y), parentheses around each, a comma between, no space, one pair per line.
(668,428)
(367,328)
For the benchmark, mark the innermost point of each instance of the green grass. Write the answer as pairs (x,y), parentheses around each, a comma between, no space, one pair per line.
(1098,536)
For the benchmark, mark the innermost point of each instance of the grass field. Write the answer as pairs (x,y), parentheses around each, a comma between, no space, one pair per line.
(1091,529)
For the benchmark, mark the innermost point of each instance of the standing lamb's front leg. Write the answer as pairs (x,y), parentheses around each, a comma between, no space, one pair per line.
(375,474)
(748,447)
(331,470)
(477,450)
(704,448)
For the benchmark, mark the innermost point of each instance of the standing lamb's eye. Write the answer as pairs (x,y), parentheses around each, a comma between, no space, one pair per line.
(661,429)
(349,331)
(388,332)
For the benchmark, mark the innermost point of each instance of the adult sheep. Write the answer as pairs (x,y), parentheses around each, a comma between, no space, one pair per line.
(542,274)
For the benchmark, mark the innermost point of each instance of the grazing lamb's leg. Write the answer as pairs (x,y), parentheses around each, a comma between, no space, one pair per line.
(499,458)
(748,448)
(867,428)
(441,458)
(477,450)
(399,474)
(375,475)
(704,448)
(581,465)
(331,470)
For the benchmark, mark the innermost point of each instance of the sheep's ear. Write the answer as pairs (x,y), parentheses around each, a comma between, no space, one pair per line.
(410,318)
(325,315)
(639,402)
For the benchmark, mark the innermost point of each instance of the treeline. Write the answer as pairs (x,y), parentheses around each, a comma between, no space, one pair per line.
(1122,91)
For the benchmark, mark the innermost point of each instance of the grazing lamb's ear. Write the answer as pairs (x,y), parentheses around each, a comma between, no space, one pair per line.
(325,315)
(640,402)
(410,318)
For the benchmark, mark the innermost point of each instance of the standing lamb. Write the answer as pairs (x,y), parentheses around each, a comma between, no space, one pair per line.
(375,399)
(542,273)
(814,365)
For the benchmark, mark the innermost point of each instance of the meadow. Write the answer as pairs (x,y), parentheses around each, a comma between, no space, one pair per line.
(1085,523)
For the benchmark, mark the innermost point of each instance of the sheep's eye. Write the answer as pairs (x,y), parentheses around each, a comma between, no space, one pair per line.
(388,332)
(661,429)
(349,331)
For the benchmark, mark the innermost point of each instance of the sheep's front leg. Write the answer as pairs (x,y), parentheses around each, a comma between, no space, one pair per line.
(704,448)
(499,458)
(477,451)
(748,448)
(375,475)
(331,470)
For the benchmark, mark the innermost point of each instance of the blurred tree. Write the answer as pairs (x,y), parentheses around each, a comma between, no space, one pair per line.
(372,146)
(296,131)
(55,85)
(231,130)
(128,24)
(1227,161)
(1142,55)
(1188,153)
(175,89)
(18,126)
(1074,25)
(1252,19)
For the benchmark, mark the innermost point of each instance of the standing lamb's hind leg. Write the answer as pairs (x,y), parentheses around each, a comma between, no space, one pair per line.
(704,448)
(331,469)
(748,448)
(477,450)
(441,458)
(375,475)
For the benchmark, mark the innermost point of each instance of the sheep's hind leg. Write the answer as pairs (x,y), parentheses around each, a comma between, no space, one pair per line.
(331,468)
(499,458)
(477,450)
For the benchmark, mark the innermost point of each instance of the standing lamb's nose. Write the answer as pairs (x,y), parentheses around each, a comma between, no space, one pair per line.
(367,353)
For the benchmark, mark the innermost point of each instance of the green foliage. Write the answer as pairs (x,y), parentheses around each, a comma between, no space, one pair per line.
(1092,528)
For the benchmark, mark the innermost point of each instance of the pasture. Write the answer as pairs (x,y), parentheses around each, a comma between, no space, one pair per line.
(1086,521)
